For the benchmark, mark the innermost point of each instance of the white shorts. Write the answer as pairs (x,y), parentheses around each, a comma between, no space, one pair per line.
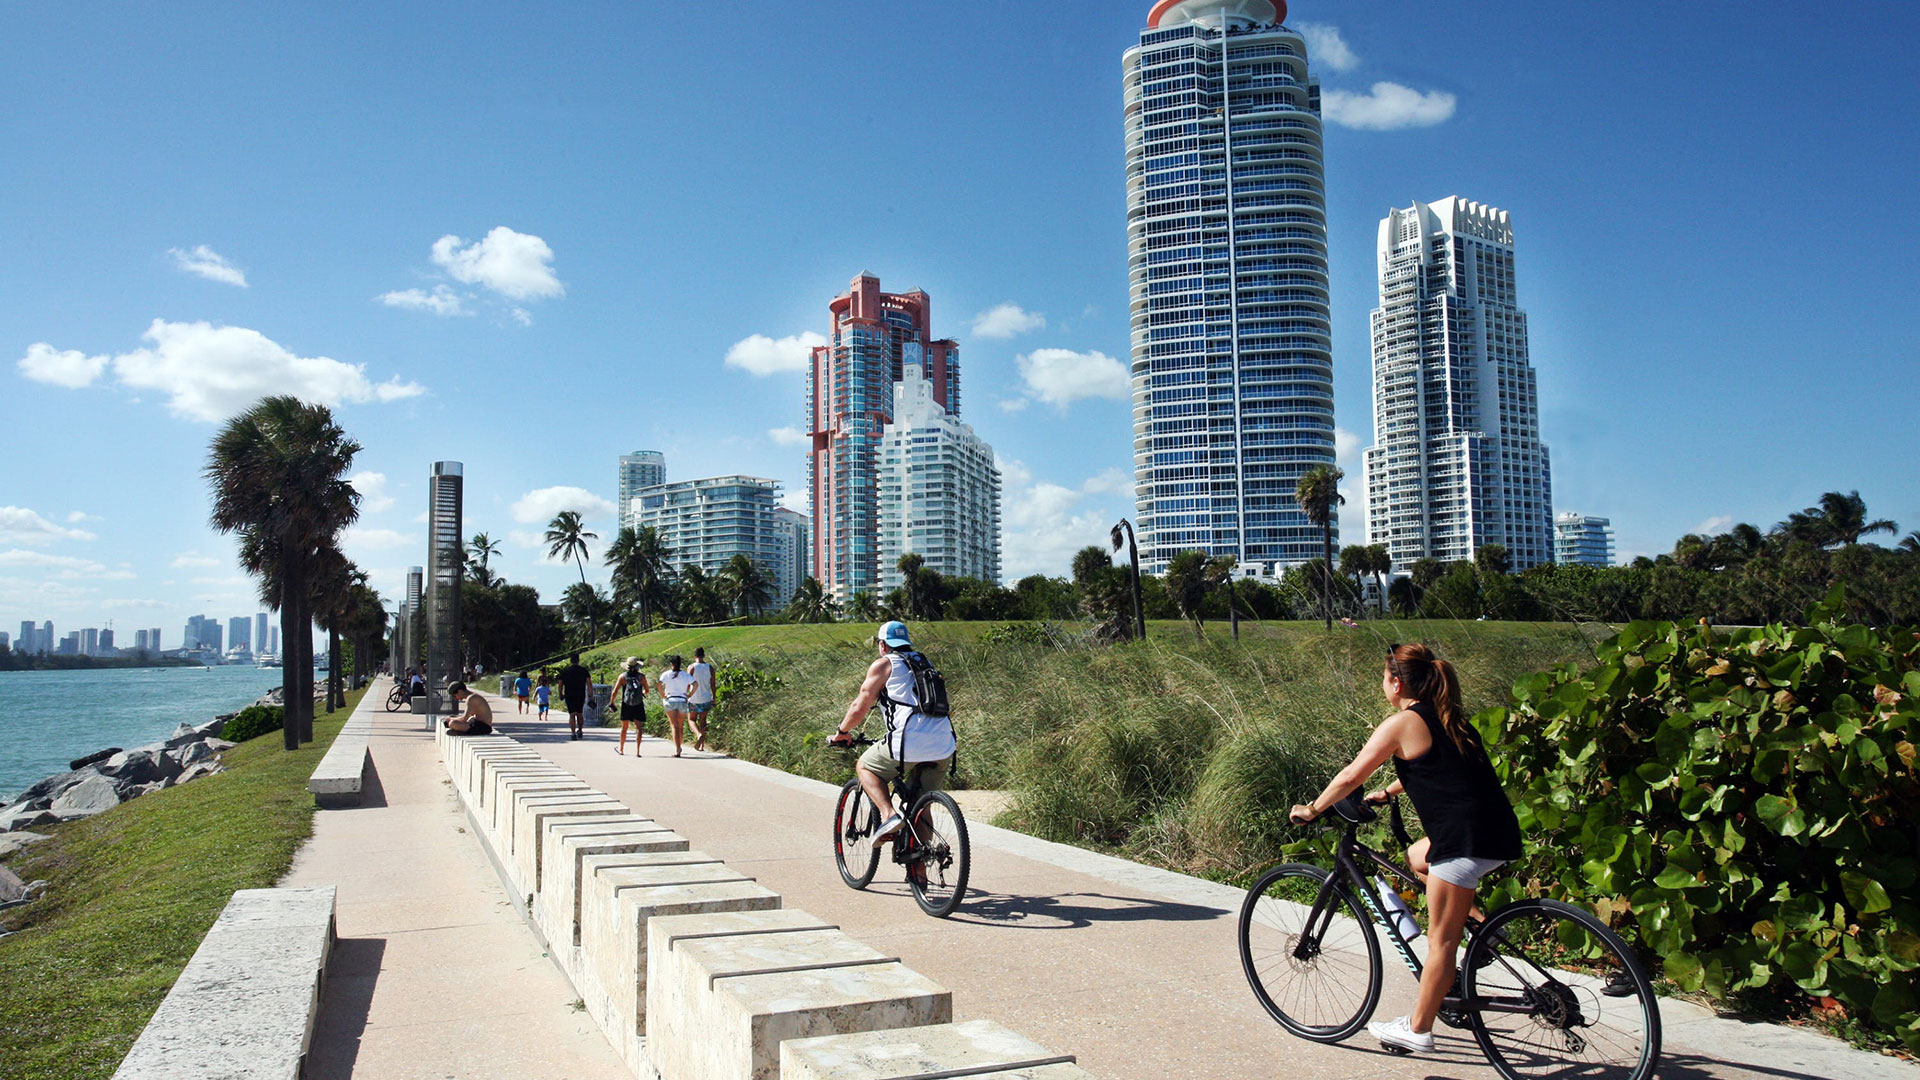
(1465,871)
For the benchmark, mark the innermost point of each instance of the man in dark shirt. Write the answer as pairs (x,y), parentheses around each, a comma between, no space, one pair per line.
(574,686)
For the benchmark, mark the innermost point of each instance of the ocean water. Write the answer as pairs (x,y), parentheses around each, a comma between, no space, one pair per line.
(48,718)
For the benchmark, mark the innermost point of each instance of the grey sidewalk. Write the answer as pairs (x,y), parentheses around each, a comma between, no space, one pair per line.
(434,975)
(1132,968)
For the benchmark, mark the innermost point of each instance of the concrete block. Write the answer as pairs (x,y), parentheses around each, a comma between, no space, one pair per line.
(721,1006)
(478,770)
(494,775)
(971,1049)
(467,767)
(531,818)
(509,791)
(616,905)
(568,844)
(225,1033)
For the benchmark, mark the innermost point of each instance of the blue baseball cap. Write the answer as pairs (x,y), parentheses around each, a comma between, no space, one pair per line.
(895,634)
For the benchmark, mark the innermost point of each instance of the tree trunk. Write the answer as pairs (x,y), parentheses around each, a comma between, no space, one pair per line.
(1233,613)
(1326,543)
(1139,609)
(290,586)
(336,694)
(305,630)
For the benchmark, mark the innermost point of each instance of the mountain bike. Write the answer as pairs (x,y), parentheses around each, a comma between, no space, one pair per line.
(1547,989)
(399,697)
(932,845)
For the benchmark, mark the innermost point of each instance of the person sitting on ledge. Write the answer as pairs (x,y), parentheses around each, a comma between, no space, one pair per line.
(477,719)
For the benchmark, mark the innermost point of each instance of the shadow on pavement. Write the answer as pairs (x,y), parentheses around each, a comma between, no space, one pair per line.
(345,1001)
(1071,910)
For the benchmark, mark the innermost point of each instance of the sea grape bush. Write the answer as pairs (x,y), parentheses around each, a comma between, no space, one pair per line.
(1744,803)
(252,722)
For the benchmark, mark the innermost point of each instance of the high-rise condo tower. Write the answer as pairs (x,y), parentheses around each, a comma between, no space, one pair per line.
(1227,282)
(1457,461)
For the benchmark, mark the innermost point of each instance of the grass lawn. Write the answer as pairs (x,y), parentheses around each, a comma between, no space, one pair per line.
(133,892)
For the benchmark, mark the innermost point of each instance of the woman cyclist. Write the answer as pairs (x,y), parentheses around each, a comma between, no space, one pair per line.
(1471,829)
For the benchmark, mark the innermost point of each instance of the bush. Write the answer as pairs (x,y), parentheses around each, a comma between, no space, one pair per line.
(252,722)
(1745,804)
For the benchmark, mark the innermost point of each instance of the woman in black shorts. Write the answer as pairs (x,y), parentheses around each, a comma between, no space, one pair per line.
(630,690)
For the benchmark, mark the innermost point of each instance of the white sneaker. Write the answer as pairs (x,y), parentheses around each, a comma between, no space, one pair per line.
(1397,1034)
(889,827)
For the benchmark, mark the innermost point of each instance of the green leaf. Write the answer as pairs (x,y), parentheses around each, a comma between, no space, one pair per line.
(1686,970)
(1864,893)
(1675,877)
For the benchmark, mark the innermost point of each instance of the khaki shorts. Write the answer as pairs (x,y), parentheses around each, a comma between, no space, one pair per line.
(877,761)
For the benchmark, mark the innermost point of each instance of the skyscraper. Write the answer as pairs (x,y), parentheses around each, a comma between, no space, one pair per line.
(240,633)
(90,641)
(708,521)
(1580,540)
(446,558)
(140,638)
(640,469)
(1232,357)
(27,634)
(790,529)
(1457,461)
(153,639)
(260,632)
(874,336)
(939,490)
(106,643)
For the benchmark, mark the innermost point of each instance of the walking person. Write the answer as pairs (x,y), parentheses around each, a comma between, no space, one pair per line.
(543,695)
(700,702)
(575,690)
(522,690)
(1443,766)
(675,686)
(630,690)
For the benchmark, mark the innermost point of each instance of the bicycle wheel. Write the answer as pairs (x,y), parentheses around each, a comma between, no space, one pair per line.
(854,822)
(1319,977)
(1570,998)
(395,700)
(938,867)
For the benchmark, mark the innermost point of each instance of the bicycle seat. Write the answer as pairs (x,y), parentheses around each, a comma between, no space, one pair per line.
(1355,811)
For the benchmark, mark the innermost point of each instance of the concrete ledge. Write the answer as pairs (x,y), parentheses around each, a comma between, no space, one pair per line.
(562,863)
(244,1006)
(478,773)
(977,1048)
(491,793)
(341,775)
(510,791)
(533,815)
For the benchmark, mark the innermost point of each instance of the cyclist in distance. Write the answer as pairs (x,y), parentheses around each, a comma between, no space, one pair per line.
(912,736)
(1471,829)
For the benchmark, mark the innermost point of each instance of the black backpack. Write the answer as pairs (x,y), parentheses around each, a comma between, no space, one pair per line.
(928,685)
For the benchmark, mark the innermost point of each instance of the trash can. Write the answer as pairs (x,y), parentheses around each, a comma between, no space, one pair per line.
(506,686)
(599,697)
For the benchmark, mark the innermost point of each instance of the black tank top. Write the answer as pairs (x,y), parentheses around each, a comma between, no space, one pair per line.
(1458,797)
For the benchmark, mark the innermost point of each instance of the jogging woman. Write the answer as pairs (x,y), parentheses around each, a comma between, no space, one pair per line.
(1471,829)
(675,687)
(630,690)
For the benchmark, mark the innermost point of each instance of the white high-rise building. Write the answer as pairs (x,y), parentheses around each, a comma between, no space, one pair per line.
(640,469)
(1232,360)
(707,522)
(790,568)
(939,489)
(1581,540)
(1457,461)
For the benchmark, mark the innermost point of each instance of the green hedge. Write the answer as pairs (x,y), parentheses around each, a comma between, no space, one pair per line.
(253,721)
(1745,803)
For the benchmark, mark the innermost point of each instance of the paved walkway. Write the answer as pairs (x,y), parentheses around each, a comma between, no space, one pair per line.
(1134,969)
(434,975)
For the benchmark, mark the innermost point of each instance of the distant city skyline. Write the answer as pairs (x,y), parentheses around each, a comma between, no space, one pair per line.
(557,277)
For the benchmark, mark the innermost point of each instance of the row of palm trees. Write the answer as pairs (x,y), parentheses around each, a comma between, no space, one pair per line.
(278,473)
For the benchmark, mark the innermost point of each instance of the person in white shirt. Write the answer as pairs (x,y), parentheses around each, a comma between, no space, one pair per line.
(700,702)
(912,737)
(675,687)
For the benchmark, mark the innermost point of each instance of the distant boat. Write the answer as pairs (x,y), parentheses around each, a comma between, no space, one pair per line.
(266,660)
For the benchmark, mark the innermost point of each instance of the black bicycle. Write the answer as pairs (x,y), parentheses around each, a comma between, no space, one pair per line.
(1547,989)
(932,845)
(400,697)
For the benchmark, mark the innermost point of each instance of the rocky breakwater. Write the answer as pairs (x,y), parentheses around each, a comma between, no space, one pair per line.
(104,780)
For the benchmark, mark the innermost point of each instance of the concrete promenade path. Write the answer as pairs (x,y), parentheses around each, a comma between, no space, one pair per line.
(1132,968)
(435,974)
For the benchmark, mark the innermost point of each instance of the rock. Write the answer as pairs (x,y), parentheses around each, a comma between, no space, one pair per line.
(40,795)
(212,728)
(11,888)
(220,746)
(95,793)
(182,729)
(141,765)
(26,817)
(190,753)
(75,814)
(37,889)
(16,841)
(198,770)
(97,756)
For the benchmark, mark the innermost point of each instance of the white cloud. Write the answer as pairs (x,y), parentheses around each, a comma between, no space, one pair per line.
(64,566)
(1326,48)
(442,301)
(19,525)
(70,368)
(372,487)
(1044,523)
(209,264)
(1388,107)
(1013,405)
(137,603)
(516,265)
(1714,525)
(1346,451)
(759,354)
(1060,376)
(376,539)
(521,315)
(1113,481)
(190,560)
(794,500)
(211,372)
(788,436)
(1007,320)
(541,506)
(75,517)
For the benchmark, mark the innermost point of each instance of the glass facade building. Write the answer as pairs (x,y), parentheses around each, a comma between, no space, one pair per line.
(939,490)
(1232,361)
(707,522)
(1580,540)
(640,469)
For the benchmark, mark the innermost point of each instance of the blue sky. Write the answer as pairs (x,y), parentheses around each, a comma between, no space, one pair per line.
(1711,202)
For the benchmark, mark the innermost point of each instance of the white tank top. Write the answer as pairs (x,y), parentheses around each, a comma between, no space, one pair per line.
(912,735)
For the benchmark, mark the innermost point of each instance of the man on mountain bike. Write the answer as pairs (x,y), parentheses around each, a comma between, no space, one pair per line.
(913,737)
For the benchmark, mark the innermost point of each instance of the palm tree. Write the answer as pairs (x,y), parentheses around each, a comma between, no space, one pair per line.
(1379,562)
(483,548)
(744,584)
(1133,561)
(811,604)
(334,580)
(1846,518)
(1187,580)
(912,586)
(1491,559)
(1910,543)
(642,571)
(863,607)
(365,624)
(567,538)
(278,473)
(699,598)
(1318,493)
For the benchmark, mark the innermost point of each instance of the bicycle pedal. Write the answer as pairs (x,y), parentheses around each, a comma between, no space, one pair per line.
(1396,1051)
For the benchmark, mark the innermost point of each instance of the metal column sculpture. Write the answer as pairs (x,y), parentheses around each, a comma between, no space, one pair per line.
(445,558)
(410,642)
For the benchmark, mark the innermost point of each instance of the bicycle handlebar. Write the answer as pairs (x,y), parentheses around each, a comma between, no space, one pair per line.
(1355,811)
